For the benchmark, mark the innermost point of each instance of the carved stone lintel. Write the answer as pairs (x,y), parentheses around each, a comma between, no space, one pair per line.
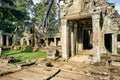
(65,8)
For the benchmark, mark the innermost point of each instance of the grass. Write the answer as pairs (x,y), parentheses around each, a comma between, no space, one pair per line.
(22,56)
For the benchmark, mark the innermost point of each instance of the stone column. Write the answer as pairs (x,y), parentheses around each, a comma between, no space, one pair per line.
(96,36)
(114,43)
(7,40)
(75,38)
(72,40)
(80,43)
(103,49)
(55,42)
(65,39)
(1,38)
(1,43)
(14,40)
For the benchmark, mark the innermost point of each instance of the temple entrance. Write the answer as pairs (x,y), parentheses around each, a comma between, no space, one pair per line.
(80,36)
(108,42)
(87,39)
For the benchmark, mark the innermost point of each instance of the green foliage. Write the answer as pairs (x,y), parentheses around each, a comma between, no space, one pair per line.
(22,56)
(40,9)
(11,13)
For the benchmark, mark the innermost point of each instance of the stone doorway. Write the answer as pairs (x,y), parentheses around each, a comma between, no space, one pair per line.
(87,45)
(108,42)
(50,41)
(80,36)
(85,35)
(4,40)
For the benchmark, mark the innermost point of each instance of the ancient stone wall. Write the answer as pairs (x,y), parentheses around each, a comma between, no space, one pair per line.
(105,22)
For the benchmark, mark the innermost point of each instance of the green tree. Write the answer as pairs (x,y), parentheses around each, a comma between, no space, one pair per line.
(11,13)
(40,11)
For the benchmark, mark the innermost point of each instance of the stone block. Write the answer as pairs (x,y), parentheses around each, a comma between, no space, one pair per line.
(53,53)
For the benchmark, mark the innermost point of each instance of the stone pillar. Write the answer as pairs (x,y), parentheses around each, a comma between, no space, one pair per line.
(96,36)
(114,43)
(65,39)
(7,40)
(80,42)
(14,40)
(72,40)
(1,38)
(75,38)
(55,42)
(103,49)
(1,43)
(27,41)
(0,51)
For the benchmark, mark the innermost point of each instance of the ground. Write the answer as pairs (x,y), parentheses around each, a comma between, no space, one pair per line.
(64,70)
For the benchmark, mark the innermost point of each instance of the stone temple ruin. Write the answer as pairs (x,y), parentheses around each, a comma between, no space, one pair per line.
(91,26)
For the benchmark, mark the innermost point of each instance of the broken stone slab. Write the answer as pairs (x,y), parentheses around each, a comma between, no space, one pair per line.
(67,67)
(28,63)
(116,77)
(48,71)
(115,71)
(9,69)
(99,70)
(53,75)
(5,66)
(6,78)
(27,75)
(59,78)
(75,76)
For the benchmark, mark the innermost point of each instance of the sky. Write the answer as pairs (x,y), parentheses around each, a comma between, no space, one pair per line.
(117,4)
(36,1)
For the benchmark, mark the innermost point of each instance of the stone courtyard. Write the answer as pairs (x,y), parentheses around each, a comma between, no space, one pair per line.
(62,70)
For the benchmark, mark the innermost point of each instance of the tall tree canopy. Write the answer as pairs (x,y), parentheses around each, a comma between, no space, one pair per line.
(18,13)
(39,11)
(11,13)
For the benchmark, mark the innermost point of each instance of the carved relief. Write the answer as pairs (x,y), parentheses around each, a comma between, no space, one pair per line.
(65,8)
(86,5)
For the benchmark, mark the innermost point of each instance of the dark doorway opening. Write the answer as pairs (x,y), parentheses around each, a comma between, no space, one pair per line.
(4,40)
(57,41)
(87,39)
(10,41)
(50,40)
(108,42)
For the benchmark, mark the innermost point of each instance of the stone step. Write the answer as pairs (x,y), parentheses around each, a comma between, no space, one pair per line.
(81,58)
(115,60)
(85,52)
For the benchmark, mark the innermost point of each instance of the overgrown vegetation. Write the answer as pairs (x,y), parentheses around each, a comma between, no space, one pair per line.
(22,56)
